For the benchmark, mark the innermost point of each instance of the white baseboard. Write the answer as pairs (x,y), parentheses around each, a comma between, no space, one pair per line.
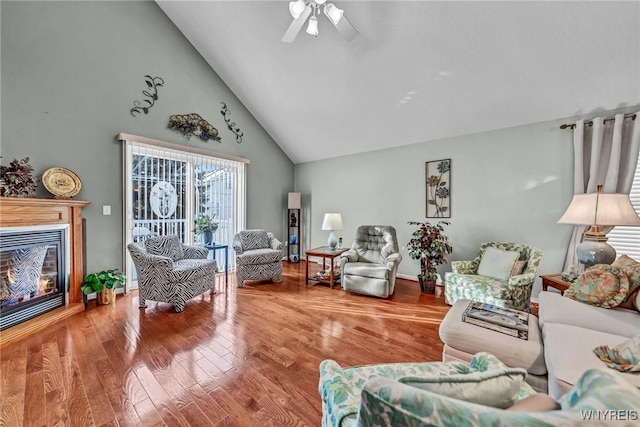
(407,277)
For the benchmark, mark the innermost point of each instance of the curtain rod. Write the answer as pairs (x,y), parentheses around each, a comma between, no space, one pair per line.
(632,116)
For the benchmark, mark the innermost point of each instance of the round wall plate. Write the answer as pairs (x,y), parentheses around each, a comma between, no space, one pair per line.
(61,182)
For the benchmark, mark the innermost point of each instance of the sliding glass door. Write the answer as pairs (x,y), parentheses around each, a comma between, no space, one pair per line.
(167,189)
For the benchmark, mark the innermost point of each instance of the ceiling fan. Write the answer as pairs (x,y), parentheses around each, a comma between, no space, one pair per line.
(301,9)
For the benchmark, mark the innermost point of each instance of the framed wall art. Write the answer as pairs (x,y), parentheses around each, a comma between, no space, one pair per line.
(438,180)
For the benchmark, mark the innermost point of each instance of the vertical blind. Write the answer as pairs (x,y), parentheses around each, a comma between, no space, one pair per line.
(169,188)
(626,240)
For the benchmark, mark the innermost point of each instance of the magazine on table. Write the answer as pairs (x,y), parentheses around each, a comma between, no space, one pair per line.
(505,320)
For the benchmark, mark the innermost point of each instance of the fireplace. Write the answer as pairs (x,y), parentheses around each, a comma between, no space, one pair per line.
(34,264)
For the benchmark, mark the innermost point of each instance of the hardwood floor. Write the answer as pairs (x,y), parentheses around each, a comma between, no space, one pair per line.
(244,357)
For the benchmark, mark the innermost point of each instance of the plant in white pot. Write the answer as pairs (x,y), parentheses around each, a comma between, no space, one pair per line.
(430,247)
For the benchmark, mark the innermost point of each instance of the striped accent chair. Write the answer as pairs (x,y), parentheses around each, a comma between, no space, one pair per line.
(170,271)
(258,256)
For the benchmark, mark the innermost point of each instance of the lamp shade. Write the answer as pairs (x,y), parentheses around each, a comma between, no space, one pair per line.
(312,28)
(333,13)
(600,209)
(294,201)
(296,8)
(332,221)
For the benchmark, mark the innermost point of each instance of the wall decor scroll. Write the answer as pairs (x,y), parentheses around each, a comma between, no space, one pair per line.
(193,124)
(438,177)
(151,93)
(231,125)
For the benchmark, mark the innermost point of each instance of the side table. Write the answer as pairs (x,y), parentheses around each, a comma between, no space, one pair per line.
(323,252)
(554,281)
(215,248)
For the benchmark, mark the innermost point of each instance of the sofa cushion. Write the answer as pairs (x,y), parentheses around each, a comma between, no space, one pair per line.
(624,357)
(259,256)
(367,269)
(254,239)
(169,246)
(554,308)
(494,387)
(568,352)
(518,267)
(601,285)
(497,263)
(188,269)
(631,268)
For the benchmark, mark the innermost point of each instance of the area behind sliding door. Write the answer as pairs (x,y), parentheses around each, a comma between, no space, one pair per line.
(167,188)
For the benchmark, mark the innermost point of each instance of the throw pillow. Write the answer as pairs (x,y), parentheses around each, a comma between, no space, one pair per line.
(631,268)
(538,402)
(518,267)
(625,357)
(497,263)
(601,285)
(494,387)
(169,246)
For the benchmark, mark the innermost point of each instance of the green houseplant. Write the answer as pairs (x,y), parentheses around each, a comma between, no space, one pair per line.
(430,247)
(205,226)
(104,284)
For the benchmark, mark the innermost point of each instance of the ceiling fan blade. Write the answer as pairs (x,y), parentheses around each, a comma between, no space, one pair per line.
(296,25)
(346,29)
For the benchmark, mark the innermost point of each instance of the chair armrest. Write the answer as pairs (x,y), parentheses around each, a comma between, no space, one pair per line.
(349,256)
(274,243)
(237,244)
(464,267)
(337,391)
(195,252)
(525,279)
(393,260)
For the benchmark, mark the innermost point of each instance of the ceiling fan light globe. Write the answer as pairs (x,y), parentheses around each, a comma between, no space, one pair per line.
(333,13)
(319,2)
(296,8)
(312,27)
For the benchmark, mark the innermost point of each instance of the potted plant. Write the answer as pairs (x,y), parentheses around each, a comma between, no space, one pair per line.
(205,226)
(104,284)
(431,247)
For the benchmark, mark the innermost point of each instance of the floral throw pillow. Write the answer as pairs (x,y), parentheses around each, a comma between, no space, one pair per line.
(631,268)
(601,285)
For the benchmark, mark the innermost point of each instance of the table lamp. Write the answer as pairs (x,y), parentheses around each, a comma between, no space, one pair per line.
(332,222)
(597,210)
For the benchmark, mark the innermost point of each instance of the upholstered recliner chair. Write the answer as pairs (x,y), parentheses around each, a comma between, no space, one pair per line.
(170,271)
(258,256)
(370,266)
(500,278)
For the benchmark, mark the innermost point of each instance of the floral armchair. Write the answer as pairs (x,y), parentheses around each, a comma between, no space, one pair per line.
(464,282)
(258,256)
(380,395)
(170,271)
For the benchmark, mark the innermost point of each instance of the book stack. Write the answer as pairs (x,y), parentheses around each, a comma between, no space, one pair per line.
(500,319)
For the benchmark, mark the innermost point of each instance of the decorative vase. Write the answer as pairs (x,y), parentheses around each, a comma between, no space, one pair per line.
(106,296)
(208,238)
(294,239)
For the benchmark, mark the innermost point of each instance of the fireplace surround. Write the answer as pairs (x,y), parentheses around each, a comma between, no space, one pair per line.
(59,220)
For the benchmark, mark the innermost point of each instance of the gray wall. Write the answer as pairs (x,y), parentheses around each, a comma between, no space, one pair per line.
(507,185)
(70,73)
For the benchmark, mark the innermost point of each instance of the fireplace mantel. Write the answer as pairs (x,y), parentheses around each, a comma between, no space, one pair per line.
(16,212)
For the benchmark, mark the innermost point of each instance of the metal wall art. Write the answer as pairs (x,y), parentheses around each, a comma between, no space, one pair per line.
(231,125)
(151,93)
(193,124)
(438,177)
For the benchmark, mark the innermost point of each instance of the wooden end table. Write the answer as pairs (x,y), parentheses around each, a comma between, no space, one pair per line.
(323,252)
(554,281)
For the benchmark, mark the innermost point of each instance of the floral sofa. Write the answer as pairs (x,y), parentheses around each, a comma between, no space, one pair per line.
(514,291)
(170,271)
(375,395)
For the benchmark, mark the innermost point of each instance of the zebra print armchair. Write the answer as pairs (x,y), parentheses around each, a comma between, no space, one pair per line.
(170,271)
(258,256)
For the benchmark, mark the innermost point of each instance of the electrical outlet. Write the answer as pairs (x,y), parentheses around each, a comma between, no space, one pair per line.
(106,210)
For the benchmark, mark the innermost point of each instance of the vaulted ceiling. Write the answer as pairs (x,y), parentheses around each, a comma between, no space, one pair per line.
(419,70)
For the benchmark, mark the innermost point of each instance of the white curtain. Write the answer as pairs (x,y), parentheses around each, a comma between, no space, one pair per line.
(606,154)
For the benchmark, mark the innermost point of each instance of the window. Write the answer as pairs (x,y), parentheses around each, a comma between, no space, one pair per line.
(626,240)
